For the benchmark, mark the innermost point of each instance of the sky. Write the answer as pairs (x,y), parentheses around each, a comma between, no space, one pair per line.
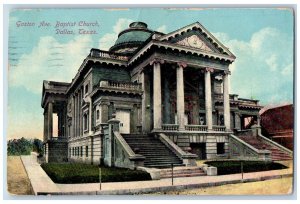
(261,39)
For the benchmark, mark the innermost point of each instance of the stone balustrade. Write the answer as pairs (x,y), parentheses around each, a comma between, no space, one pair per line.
(121,85)
(106,54)
(219,128)
(170,127)
(193,128)
(202,128)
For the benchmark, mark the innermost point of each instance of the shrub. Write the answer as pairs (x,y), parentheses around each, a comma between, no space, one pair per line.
(86,173)
(233,167)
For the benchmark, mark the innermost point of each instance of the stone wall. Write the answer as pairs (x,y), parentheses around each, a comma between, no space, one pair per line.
(56,151)
(91,150)
(184,140)
(102,73)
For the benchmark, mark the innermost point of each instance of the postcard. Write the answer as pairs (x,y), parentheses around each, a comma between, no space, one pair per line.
(150,101)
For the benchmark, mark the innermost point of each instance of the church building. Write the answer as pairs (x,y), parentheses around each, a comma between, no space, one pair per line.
(152,100)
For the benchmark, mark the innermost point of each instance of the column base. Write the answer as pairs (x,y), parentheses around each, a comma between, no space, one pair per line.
(156,130)
(181,129)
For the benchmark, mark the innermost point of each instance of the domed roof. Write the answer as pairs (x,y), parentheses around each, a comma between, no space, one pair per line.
(131,38)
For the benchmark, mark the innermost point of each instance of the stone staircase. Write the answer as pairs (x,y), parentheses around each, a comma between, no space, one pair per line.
(182,172)
(260,144)
(156,154)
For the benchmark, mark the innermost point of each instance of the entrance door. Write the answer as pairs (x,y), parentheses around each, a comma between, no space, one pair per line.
(199,149)
(124,117)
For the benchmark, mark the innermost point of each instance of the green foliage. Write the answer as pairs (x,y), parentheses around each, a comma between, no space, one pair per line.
(234,167)
(86,173)
(24,146)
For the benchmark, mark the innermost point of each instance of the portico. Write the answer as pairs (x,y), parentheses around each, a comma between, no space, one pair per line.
(162,103)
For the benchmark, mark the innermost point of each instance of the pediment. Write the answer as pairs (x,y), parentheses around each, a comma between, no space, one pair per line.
(195,41)
(196,36)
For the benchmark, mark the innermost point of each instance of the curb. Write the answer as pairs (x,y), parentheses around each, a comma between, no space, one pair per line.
(165,188)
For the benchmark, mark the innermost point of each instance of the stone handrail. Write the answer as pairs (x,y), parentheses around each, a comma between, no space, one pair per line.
(169,127)
(188,158)
(121,85)
(267,140)
(127,148)
(202,128)
(218,128)
(246,132)
(246,151)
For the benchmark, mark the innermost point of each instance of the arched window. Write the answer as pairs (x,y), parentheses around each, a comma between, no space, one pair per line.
(98,114)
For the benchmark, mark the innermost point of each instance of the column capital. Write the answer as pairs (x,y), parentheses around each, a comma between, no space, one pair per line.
(107,103)
(182,64)
(226,72)
(157,61)
(208,69)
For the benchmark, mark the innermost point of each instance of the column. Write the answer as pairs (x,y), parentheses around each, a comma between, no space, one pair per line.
(90,121)
(258,120)
(226,101)
(208,101)
(50,120)
(180,95)
(144,78)
(79,112)
(237,120)
(75,115)
(45,125)
(104,112)
(59,124)
(156,95)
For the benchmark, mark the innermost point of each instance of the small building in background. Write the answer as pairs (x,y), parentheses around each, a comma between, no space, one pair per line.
(278,124)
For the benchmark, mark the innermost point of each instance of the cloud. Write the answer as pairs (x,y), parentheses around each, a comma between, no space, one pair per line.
(49,60)
(263,68)
(109,39)
(272,62)
(162,29)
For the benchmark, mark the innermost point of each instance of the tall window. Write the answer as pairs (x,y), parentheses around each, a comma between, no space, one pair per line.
(85,121)
(81,151)
(98,114)
(86,89)
(86,151)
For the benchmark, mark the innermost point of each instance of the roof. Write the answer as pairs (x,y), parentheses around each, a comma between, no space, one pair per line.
(135,36)
(278,119)
(53,87)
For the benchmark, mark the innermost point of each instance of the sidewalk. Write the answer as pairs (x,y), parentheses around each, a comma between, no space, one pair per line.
(42,184)
(39,180)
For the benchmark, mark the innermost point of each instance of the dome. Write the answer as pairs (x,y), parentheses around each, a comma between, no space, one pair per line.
(131,38)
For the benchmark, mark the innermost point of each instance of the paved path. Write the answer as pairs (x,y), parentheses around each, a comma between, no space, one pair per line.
(39,180)
(43,184)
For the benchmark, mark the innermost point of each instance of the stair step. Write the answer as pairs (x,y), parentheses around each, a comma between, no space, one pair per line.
(183,175)
(276,154)
(161,165)
(155,152)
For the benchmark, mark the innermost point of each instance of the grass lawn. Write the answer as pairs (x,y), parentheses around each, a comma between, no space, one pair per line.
(86,173)
(233,167)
